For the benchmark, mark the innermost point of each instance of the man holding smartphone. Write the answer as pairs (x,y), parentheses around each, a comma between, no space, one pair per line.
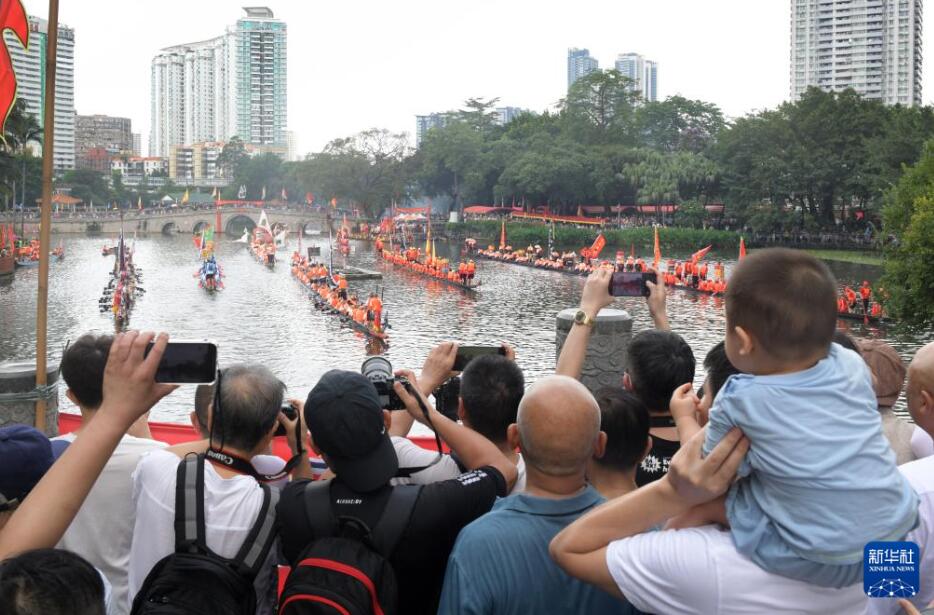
(491,388)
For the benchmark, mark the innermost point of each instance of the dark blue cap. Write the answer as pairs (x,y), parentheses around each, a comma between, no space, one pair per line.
(25,456)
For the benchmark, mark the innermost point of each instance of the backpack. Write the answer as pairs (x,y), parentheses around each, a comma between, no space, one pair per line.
(194,580)
(346,570)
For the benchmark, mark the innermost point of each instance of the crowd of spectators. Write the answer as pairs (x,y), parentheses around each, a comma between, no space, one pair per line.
(754,494)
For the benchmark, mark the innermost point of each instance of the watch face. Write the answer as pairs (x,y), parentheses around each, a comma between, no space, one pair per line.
(580,316)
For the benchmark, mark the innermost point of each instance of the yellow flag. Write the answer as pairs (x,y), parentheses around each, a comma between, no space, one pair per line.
(185,197)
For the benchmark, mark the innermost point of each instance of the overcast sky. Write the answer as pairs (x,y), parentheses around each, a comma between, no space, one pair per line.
(357,64)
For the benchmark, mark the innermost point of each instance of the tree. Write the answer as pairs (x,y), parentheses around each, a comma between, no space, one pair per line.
(88,185)
(232,156)
(600,108)
(909,220)
(678,124)
(368,168)
(479,114)
(452,161)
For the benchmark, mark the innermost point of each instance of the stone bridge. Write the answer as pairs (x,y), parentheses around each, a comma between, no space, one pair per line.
(233,220)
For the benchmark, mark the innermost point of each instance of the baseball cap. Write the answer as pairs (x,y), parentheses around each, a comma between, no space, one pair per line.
(887,368)
(25,456)
(346,422)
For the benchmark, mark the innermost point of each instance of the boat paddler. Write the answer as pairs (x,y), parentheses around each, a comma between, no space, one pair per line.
(850,297)
(341,286)
(841,304)
(471,270)
(375,310)
(865,293)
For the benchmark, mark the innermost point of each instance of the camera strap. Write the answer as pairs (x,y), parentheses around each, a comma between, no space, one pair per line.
(243,466)
(408,472)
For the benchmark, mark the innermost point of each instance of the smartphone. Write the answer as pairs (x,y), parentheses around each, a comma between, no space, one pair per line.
(631,283)
(466,354)
(187,363)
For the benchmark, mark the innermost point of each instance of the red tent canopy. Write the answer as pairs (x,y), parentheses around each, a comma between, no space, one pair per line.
(554,218)
(489,209)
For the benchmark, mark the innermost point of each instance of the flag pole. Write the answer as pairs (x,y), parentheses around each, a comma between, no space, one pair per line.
(45,223)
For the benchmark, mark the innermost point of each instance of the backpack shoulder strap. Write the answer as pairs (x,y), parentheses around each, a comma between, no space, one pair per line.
(256,547)
(318,509)
(189,506)
(395,518)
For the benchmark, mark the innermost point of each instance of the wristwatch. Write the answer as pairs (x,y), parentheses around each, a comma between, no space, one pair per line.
(582,318)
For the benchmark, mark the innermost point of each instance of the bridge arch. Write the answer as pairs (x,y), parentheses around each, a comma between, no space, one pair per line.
(169,228)
(313,227)
(199,226)
(237,224)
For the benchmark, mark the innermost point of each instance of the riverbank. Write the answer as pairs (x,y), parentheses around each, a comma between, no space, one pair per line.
(849,256)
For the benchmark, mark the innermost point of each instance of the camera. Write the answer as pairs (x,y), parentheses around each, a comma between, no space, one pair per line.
(289,410)
(446,397)
(378,370)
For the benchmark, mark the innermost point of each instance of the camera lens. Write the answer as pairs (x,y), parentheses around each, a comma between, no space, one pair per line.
(377,369)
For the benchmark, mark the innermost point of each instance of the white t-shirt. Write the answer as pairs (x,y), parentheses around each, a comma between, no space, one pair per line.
(103,528)
(920,475)
(412,455)
(698,570)
(231,506)
(921,443)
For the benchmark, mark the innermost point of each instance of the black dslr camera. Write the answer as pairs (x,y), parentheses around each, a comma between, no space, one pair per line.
(289,410)
(378,370)
(446,397)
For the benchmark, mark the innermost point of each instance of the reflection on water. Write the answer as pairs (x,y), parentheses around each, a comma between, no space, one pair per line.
(263,316)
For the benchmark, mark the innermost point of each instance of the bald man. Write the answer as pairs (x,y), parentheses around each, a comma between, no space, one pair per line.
(920,474)
(500,563)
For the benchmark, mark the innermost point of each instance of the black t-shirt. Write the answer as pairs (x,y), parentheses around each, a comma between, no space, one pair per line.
(421,554)
(655,465)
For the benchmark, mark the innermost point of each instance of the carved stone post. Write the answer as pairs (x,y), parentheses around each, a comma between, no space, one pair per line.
(606,353)
(18,395)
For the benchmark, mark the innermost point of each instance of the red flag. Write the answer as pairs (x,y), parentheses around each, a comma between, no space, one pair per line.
(502,235)
(12,17)
(309,198)
(658,251)
(742,249)
(700,254)
(597,246)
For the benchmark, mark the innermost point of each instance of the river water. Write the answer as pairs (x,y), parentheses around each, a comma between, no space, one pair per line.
(264,316)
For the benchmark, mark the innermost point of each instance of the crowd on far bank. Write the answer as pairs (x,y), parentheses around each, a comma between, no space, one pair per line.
(755,494)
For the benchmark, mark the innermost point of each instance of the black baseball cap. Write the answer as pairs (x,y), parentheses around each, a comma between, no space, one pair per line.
(346,422)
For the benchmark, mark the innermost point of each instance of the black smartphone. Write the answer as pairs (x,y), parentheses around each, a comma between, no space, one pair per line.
(466,354)
(631,283)
(187,363)
(289,410)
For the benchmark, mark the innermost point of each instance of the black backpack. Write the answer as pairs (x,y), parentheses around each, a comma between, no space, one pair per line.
(194,580)
(345,570)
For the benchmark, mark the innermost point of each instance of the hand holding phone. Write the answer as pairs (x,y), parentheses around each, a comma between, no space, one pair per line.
(466,354)
(631,283)
(187,363)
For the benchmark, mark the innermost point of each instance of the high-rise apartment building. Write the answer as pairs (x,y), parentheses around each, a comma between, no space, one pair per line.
(111,134)
(580,63)
(504,115)
(871,46)
(29,67)
(137,144)
(643,74)
(424,123)
(232,85)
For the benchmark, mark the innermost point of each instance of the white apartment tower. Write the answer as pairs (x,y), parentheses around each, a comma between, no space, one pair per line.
(29,67)
(642,72)
(580,63)
(871,46)
(232,85)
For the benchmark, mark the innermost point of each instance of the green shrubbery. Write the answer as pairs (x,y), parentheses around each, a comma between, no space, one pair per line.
(521,234)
